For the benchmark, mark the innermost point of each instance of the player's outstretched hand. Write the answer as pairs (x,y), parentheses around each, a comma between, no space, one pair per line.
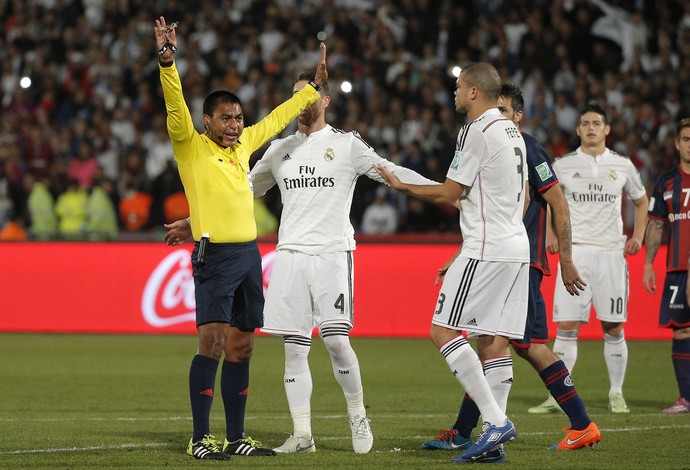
(321,71)
(387,175)
(178,232)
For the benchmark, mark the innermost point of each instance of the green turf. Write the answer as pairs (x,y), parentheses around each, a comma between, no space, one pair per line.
(82,401)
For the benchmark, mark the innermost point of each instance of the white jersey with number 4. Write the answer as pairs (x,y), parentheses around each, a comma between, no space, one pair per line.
(490,161)
(594,189)
(316,175)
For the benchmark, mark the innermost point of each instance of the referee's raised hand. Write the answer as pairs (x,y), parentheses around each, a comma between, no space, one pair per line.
(321,72)
(165,37)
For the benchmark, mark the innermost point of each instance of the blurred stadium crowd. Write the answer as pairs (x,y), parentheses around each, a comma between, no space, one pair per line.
(84,152)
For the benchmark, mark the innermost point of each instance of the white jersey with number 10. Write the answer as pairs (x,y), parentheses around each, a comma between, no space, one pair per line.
(594,189)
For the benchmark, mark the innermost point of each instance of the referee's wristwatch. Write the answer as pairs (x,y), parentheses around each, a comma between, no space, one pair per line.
(313,83)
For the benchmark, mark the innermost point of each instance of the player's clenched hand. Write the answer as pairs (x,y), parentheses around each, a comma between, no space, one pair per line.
(632,246)
(178,232)
(321,72)
(552,244)
(387,175)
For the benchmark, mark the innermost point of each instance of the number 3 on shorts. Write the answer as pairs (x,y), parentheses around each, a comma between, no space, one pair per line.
(441,299)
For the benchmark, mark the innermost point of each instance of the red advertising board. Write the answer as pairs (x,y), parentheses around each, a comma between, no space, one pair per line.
(148,288)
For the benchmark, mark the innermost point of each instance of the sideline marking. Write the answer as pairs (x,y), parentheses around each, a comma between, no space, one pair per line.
(284,417)
(325,438)
(80,449)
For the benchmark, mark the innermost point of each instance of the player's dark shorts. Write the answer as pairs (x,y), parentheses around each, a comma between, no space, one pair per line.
(536,329)
(674,311)
(229,288)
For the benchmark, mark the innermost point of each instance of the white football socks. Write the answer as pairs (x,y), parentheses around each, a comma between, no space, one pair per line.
(616,357)
(347,373)
(565,347)
(499,374)
(298,387)
(467,369)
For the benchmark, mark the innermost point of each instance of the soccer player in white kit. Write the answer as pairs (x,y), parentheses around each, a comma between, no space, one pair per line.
(311,284)
(593,179)
(486,288)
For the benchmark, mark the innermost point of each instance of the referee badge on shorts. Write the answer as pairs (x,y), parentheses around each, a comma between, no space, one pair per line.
(329,155)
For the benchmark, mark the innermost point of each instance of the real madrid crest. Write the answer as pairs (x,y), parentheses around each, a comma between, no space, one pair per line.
(329,155)
(613,175)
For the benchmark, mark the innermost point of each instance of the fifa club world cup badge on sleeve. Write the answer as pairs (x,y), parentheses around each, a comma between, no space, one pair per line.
(456,160)
(329,155)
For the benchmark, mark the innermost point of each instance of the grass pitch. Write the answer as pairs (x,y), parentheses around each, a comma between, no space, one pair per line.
(86,401)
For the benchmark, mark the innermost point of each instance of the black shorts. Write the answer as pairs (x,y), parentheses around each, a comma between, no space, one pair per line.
(229,288)
(536,329)
(674,311)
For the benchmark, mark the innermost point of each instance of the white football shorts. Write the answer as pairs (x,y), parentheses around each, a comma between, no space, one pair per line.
(484,298)
(606,275)
(308,290)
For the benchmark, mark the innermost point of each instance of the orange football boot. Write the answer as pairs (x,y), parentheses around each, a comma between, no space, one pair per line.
(588,437)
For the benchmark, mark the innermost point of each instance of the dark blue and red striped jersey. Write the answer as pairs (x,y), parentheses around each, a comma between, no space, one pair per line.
(671,201)
(541,178)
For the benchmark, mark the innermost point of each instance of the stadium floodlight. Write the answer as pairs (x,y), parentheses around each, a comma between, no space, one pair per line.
(346,87)
(25,82)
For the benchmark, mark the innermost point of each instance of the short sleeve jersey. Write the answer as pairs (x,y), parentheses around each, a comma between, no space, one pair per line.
(671,201)
(316,175)
(541,178)
(490,162)
(593,187)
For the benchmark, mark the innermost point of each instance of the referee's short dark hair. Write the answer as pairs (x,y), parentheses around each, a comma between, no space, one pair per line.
(309,76)
(218,97)
(593,107)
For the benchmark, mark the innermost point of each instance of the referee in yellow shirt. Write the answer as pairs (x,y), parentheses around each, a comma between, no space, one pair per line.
(214,168)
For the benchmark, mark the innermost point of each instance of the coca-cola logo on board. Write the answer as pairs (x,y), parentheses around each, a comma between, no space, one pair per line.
(168,297)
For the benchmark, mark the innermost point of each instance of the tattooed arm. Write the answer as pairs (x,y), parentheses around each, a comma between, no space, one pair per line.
(652,240)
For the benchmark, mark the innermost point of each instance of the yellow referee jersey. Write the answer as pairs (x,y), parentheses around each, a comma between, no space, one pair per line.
(215,179)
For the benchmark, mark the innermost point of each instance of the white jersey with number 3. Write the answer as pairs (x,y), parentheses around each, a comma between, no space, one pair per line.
(490,161)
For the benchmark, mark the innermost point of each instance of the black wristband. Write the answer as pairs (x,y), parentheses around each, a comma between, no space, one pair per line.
(313,83)
(165,64)
(165,47)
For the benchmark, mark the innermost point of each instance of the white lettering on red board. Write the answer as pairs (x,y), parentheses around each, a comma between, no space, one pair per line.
(168,297)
